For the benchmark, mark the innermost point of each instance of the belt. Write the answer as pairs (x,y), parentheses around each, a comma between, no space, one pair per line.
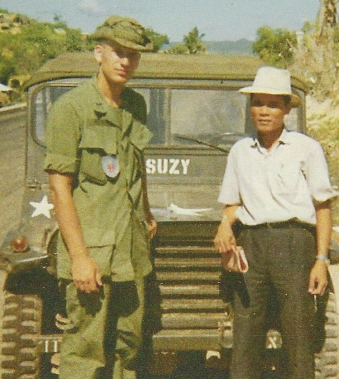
(280,225)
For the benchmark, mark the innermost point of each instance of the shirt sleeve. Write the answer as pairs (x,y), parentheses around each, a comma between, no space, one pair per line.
(317,177)
(229,192)
(62,138)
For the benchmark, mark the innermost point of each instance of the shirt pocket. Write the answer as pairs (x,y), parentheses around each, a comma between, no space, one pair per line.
(97,141)
(287,183)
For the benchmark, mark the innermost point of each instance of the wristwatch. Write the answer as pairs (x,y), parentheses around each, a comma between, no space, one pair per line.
(324,258)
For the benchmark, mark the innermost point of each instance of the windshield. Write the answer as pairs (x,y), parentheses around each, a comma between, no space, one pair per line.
(178,116)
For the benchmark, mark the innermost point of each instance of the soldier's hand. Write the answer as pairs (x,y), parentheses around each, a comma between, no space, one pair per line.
(152,227)
(86,275)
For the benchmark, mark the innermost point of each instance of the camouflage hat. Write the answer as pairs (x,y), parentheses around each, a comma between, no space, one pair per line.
(125,31)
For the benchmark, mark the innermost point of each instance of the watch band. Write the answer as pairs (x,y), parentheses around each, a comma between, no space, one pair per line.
(324,258)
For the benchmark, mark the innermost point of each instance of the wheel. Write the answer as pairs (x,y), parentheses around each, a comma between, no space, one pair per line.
(327,357)
(21,324)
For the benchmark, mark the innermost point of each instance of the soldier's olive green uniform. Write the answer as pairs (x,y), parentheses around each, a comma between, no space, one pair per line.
(82,129)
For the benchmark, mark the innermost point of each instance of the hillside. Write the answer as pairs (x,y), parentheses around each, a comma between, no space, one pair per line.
(242,46)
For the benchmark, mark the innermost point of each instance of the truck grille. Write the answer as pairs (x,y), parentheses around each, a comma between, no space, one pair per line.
(192,311)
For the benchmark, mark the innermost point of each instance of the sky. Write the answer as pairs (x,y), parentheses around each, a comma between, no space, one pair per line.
(218,20)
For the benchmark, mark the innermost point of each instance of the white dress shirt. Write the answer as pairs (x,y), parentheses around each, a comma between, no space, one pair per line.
(282,184)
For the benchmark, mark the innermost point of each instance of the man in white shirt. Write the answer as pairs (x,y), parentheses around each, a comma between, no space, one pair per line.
(276,187)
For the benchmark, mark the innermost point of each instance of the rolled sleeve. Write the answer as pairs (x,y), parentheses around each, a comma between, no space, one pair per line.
(61,163)
(317,175)
(62,139)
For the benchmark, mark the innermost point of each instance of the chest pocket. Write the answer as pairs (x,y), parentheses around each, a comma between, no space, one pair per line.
(97,141)
(289,180)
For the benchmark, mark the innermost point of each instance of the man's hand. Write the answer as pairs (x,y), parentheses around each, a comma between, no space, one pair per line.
(152,227)
(86,275)
(318,278)
(225,241)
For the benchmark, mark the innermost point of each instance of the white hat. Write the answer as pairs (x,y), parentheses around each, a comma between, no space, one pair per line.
(273,81)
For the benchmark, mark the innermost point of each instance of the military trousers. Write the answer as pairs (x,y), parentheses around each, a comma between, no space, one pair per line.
(280,260)
(104,334)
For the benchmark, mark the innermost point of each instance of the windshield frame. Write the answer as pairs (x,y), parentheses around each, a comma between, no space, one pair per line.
(166,85)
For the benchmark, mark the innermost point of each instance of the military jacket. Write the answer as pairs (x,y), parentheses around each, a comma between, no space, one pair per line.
(102,147)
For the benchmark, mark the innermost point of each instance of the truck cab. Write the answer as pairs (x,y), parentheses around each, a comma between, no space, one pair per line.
(196,114)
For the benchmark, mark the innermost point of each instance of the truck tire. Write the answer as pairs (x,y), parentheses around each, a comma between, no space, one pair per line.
(327,358)
(21,324)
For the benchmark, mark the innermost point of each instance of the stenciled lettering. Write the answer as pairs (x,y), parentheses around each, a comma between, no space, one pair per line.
(174,163)
(185,163)
(170,166)
(151,166)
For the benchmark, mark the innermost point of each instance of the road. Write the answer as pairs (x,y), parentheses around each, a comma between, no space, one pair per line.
(12,167)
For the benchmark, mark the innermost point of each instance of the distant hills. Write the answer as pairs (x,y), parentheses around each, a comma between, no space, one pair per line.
(242,46)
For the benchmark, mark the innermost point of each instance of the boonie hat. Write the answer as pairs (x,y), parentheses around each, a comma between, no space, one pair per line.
(125,31)
(273,81)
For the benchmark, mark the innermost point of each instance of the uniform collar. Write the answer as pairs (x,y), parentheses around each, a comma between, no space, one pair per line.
(101,107)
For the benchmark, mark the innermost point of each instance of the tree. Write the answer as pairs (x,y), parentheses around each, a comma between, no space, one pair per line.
(158,39)
(74,40)
(193,41)
(275,46)
(192,44)
(26,51)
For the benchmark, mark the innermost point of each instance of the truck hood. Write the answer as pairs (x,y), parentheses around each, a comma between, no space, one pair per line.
(185,203)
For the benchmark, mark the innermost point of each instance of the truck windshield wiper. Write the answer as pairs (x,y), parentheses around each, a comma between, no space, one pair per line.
(181,136)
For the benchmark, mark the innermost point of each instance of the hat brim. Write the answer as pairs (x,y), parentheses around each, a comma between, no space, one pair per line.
(106,34)
(295,100)
(132,45)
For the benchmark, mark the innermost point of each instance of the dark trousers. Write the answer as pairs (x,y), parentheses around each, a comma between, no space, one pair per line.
(280,260)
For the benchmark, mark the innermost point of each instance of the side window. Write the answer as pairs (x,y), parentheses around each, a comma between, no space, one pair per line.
(156,101)
(41,104)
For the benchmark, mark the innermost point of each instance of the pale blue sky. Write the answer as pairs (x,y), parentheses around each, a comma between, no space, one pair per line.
(219,20)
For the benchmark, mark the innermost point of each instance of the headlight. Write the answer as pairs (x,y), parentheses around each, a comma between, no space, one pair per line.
(19,244)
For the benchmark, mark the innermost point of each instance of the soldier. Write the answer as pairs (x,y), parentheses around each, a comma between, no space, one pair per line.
(96,134)
(276,188)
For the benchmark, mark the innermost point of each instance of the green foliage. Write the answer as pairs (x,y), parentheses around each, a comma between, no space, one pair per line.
(275,46)
(192,44)
(178,48)
(74,41)
(158,39)
(7,69)
(193,41)
(25,51)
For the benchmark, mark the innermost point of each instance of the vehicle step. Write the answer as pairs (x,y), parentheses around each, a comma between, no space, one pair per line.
(188,276)
(186,250)
(186,263)
(188,339)
(192,305)
(192,320)
(190,290)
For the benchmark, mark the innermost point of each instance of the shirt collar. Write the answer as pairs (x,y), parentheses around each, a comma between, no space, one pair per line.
(283,139)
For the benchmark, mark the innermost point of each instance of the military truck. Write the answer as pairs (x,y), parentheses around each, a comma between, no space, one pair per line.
(195,113)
